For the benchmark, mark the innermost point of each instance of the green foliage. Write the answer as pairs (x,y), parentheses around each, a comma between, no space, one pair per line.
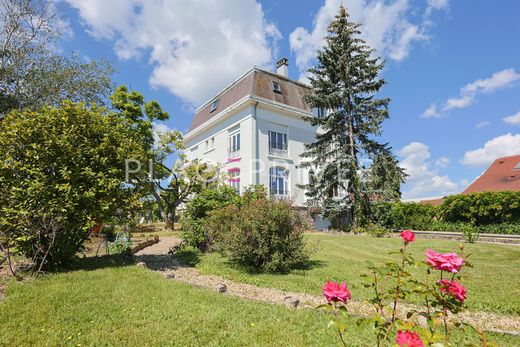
(469,233)
(262,235)
(488,212)
(62,171)
(375,230)
(482,208)
(253,193)
(392,283)
(32,74)
(172,184)
(198,208)
(345,85)
(404,215)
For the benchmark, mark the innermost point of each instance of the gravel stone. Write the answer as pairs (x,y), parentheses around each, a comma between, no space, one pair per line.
(221,288)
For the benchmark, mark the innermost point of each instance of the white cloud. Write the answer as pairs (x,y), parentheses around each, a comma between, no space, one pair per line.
(499,80)
(442,162)
(513,119)
(424,179)
(195,49)
(438,4)
(461,102)
(158,130)
(501,146)
(482,124)
(386,27)
(431,112)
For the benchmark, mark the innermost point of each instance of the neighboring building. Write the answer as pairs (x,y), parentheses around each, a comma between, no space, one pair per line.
(502,175)
(254,129)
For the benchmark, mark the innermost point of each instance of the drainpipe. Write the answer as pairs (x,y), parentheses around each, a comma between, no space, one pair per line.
(257,149)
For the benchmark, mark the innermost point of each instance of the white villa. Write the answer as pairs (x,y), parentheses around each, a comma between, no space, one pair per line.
(254,129)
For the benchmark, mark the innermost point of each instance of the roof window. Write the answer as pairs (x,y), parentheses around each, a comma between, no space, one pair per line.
(214,105)
(517,167)
(276,87)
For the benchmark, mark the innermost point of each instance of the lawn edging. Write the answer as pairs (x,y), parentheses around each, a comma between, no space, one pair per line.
(142,245)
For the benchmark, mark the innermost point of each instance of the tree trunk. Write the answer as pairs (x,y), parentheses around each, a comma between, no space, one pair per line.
(170,220)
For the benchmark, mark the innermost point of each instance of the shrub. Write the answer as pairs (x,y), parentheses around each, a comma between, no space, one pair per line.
(61,172)
(375,230)
(197,209)
(402,215)
(264,235)
(469,233)
(442,292)
(482,208)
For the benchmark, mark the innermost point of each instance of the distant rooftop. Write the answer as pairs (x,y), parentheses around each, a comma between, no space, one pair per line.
(503,174)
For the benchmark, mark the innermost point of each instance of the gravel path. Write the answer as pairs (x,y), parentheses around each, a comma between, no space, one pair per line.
(157,257)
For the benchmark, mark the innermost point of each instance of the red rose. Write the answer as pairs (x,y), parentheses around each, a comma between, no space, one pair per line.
(444,261)
(408,339)
(335,292)
(407,236)
(453,288)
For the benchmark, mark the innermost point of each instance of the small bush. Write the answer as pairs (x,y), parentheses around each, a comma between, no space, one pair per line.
(193,219)
(375,230)
(469,233)
(264,235)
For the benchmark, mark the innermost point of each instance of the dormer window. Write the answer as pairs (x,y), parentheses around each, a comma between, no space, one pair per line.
(276,87)
(214,105)
(517,167)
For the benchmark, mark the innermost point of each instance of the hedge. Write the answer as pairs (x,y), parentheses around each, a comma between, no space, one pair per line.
(488,212)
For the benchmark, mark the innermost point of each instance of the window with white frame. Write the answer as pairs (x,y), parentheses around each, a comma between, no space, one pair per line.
(234,144)
(278,144)
(279,181)
(234,179)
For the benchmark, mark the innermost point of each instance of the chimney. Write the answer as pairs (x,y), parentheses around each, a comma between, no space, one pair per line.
(282,67)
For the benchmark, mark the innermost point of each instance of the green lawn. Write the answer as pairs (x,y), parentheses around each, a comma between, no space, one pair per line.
(120,304)
(493,283)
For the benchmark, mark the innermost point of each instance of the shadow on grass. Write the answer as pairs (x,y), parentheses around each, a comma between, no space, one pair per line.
(101,262)
(188,256)
(305,266)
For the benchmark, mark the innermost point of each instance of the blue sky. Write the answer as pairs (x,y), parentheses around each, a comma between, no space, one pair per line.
(452,67)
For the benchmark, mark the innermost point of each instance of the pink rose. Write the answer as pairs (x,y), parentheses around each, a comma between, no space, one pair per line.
(334,291)
(444,261)
(453,288)
(408,339)
(407,236)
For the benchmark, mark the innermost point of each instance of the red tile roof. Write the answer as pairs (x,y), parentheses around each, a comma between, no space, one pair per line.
(258,83)
(434,202)
(501,175)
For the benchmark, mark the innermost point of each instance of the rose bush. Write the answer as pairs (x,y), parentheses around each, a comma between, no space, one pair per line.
(408,339)
(392,284)
(449,262)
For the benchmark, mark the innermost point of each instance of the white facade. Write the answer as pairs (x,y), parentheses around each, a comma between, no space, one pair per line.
(256,141)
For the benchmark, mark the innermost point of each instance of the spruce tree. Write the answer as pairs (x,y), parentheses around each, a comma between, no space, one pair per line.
(345,83)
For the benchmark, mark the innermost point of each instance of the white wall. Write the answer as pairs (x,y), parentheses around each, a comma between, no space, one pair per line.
(267,118)
(299,132)
(220,131)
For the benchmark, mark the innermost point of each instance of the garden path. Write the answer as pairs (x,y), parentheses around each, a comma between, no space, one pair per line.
(159,257)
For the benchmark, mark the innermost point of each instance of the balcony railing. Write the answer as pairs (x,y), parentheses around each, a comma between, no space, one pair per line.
(280,193)
(278,149)
(233,153)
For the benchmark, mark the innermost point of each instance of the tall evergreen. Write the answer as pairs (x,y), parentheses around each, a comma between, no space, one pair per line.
(349,166)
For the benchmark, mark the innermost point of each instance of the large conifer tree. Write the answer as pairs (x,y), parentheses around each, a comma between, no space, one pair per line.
(350,167)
